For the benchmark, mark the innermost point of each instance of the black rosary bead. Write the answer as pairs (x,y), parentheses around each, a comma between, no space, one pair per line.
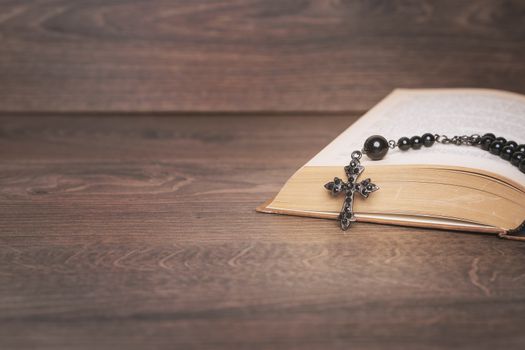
(486,140)
(506,152)
(375,147)
(502,139)
(428,139)
(416,142)
(496,147)
(511,144)
(521,166)
(520,148)
(404,143)
(517,157)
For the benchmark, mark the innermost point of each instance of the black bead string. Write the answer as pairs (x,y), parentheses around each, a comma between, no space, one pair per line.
(376,147)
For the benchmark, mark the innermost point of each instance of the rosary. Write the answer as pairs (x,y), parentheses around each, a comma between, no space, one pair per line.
(376,147)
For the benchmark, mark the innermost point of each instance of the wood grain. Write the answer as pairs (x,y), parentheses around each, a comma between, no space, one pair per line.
(127,232)
(254,55)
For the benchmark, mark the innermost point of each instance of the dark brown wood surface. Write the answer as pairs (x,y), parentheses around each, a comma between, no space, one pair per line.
(140,232)
(250,55)
(137,138)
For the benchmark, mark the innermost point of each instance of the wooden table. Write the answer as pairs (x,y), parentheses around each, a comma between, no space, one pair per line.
(140,232)
(137,138)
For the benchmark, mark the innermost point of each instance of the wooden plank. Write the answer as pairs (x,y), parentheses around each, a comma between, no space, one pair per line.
(125,232)
(254,55)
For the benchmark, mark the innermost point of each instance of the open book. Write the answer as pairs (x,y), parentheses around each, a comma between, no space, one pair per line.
(444,186)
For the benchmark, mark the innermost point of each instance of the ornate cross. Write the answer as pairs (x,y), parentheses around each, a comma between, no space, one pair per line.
(365,187)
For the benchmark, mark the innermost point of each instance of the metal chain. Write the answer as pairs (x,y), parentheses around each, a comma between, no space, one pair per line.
(356,155)
(471,140)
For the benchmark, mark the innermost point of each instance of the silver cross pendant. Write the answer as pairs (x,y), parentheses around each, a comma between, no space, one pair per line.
(364,188)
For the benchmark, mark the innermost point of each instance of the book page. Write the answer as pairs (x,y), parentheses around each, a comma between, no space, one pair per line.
(438,111)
